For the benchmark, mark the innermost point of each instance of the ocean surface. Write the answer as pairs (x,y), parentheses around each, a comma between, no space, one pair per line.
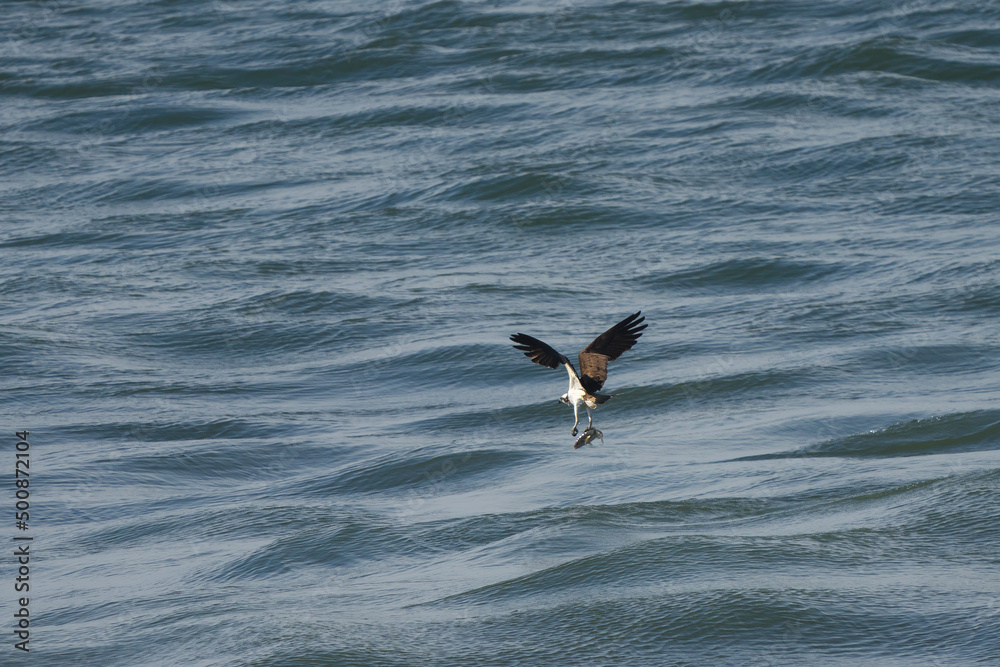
(260,266)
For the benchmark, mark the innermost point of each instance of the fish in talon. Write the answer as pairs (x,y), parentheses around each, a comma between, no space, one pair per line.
(589,435)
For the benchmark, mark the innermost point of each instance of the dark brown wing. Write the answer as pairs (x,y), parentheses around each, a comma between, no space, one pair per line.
(607,347)
(537,351)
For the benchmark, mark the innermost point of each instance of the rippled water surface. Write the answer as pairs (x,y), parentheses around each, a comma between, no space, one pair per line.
(261,263)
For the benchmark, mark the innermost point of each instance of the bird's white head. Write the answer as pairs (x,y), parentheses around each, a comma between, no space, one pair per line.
(564,398)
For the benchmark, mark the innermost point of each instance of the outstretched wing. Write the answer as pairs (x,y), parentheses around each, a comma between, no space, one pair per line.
(607,347)
(539,352)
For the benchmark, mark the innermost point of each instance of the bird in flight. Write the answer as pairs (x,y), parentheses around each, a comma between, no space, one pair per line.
(594,360)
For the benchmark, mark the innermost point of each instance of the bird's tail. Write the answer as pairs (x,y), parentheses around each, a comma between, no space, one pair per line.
(601,399)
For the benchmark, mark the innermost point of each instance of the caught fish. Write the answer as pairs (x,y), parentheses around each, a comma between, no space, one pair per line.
(589,435)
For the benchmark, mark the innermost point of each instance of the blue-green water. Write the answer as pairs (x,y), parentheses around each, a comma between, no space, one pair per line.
(260,266)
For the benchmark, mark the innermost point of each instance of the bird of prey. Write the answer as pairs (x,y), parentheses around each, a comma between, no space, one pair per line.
(594,360)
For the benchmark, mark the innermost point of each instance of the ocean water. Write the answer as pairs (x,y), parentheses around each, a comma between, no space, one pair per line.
(261,263)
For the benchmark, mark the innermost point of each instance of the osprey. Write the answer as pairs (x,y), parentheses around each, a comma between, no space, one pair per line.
(594,360)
